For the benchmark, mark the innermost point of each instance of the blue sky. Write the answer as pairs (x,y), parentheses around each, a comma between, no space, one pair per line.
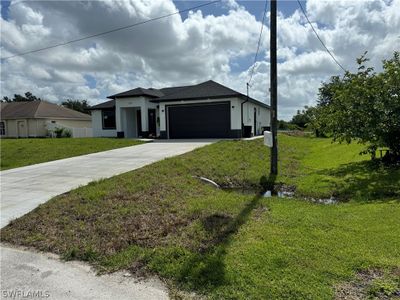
(287,7)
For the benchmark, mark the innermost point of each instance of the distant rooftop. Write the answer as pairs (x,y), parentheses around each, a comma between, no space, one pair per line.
(38,110)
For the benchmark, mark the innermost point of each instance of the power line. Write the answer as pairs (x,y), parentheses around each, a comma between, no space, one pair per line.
(330,53)
(112,30)
(258,43)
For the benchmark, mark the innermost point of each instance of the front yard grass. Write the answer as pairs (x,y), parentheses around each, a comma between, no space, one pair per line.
(23,152)
(232,243)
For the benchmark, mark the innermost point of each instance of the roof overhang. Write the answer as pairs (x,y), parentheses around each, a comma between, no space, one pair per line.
(243,97)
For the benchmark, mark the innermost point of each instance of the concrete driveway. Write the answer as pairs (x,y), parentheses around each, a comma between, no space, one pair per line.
(23,189)
(24,272)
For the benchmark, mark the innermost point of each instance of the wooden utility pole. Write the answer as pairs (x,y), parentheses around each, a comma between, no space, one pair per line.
(274,89)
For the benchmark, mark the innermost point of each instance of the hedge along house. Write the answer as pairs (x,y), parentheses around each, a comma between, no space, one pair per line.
(31,119)
(205,110)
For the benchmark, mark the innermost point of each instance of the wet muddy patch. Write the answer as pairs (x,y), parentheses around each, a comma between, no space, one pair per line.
(371,284)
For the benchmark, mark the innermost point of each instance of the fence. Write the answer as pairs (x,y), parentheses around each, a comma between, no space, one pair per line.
(82,132)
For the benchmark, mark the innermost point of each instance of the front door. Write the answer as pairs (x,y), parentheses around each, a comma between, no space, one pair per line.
(22,129)
(152,123)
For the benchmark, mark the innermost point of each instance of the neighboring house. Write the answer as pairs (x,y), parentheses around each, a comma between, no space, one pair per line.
(32,119)
(205,110)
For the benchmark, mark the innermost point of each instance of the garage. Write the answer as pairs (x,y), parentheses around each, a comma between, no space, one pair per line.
(208,120)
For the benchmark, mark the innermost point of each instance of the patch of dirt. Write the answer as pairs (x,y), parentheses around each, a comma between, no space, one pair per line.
(296,132)
(371,284)
(259,211)
(139,270)
(249,190)
(216,221)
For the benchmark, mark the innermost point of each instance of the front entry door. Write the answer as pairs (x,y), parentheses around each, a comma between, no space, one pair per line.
(22,129)
(152,123)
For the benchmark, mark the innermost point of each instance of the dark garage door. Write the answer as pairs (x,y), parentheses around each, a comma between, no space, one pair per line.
(199,121)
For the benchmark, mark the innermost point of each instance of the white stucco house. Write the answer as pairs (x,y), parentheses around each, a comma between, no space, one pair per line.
(205,110)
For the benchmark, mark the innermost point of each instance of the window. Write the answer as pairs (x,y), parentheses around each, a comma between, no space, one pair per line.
(2,128)
(108,119)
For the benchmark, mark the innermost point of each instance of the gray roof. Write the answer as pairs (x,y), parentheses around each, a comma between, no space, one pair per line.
(104,105)
(172,90)
(138,92)
(39,110)
(205,90)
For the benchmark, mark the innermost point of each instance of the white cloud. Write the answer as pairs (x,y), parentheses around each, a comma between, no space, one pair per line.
(174,51)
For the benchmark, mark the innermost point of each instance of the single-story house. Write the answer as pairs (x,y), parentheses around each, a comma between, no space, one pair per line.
(205,110)
(33,118)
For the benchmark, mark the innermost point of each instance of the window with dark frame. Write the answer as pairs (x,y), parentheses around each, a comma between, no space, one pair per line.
(108,117)
(2,128)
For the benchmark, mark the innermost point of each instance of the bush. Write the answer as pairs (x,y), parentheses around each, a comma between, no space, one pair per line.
(67,133)
(62,132)
(59,132)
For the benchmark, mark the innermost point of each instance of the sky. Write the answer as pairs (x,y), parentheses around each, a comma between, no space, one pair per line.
(215,42)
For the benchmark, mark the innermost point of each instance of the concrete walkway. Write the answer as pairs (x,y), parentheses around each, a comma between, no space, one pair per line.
(23,189)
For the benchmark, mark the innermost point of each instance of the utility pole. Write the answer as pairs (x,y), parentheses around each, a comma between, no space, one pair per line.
(273,89)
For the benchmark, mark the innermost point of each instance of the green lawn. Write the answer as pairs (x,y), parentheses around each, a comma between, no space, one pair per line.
(23,152)
(232,243)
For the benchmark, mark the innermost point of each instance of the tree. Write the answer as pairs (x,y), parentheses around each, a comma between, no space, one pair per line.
(301,118)
(364,106)
(78,105)
(18,98)
(283,125)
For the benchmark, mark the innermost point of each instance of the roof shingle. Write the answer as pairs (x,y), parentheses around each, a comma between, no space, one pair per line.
(39,109)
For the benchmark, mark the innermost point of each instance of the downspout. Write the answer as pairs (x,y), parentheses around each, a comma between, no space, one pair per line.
(241,106)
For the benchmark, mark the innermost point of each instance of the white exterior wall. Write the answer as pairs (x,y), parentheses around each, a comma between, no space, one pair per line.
(97,125)
(124,117)
(262,117)
(236,119)
(73,123)
(11,128)
(38,128)
(31,128)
